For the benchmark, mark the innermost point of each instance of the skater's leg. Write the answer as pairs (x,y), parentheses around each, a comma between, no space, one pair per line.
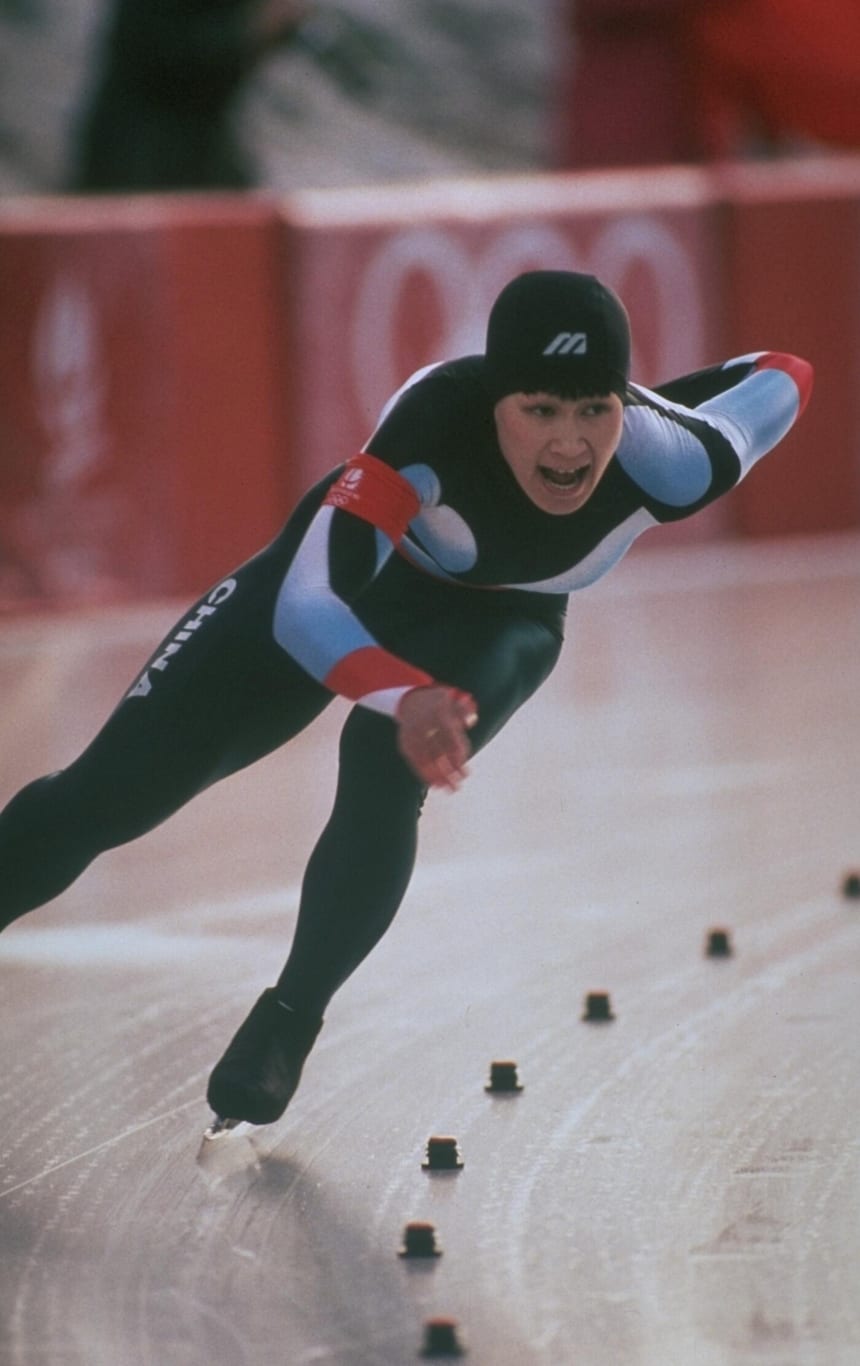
(228,698)
(362,864)
(133,776)
(360,868)
(43,848)
(352,887)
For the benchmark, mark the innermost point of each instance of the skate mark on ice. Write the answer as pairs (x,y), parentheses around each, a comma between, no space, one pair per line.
(99,1147)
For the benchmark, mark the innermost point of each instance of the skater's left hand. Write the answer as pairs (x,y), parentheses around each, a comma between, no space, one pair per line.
(431,734)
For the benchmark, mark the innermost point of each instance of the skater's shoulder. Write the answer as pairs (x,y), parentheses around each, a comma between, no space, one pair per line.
(439,409)
(447,387)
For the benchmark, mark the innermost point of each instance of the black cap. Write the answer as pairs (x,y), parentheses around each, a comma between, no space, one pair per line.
(558,331)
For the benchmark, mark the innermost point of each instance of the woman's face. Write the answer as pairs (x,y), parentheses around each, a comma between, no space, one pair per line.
(558,448)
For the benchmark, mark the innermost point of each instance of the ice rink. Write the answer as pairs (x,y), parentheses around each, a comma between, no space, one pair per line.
(676,1187)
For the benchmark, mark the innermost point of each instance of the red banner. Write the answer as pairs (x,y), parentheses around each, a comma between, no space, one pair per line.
(139,394)
(794,243)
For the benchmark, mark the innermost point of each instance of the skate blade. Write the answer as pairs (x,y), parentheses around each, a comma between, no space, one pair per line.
(228,1148)
(220,1127)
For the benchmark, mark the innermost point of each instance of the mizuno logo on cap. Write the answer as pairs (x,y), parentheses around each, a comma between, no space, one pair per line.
(567,344)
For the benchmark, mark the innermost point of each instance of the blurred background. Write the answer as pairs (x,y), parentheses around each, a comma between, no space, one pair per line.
(229,228)
(379,90)
(370,90)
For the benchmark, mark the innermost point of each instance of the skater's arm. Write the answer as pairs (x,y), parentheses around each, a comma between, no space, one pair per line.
(764,396)
(363,516)
(686,450)
(699,386)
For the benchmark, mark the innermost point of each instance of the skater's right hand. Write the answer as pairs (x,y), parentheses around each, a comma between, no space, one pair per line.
(431,734)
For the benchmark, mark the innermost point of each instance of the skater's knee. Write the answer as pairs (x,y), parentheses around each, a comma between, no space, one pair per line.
(30,809)
(42,847)
(370,759)
(51,819)
(377,792)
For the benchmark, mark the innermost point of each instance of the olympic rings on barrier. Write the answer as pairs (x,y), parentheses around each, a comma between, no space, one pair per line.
(464,282)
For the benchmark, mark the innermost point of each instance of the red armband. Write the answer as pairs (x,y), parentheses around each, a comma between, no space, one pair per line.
(371,669)
(372,490)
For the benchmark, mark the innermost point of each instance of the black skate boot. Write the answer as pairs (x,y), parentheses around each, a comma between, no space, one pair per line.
(257,1076)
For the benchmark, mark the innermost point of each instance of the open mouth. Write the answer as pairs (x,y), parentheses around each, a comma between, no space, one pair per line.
(564,480)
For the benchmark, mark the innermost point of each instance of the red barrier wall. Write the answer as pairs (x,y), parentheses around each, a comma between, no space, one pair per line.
(139,394)
(793,257)
(175,372)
